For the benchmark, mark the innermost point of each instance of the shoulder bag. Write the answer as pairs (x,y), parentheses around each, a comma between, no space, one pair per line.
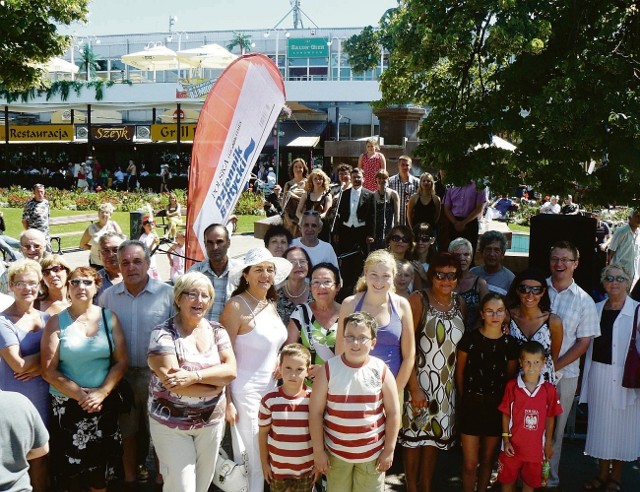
(631,374)
(230,475)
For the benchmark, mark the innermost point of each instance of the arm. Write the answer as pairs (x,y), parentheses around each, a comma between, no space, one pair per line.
(395,198)
(410,206)
(116,227)
(293,333)
(508,447)
(25,224)
(548,433)
(483,288)
(384,161)
(512,367)
(85,240)
(360,161)
(263,435)
(392,421)
(437,203)
(555,327)
(317,403)
(475,213)
(575,352)
(38,452)
(29,364)
(95,396)
(407,344)
(461,363)
(418,398)
(230,319)
(346,308)
(327,205)
(301,204)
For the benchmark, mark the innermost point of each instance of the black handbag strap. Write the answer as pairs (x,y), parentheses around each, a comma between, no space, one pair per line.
(106,330)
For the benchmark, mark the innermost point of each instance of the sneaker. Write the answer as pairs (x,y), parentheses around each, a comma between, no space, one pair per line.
(142,474)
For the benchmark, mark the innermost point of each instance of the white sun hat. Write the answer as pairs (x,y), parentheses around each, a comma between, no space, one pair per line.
(259,255)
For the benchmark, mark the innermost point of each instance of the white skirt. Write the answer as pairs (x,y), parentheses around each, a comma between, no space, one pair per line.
(612,434)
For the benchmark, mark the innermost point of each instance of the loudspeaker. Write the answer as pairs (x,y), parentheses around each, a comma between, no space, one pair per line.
(547,229)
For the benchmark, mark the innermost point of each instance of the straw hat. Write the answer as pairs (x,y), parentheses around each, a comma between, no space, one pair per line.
(256,256)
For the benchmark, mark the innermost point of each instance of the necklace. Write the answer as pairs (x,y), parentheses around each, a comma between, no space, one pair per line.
(289,294)
(258,301)
(76,319)
(446,306)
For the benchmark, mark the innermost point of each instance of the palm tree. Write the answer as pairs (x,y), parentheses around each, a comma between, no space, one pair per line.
(88,61)
(243,41)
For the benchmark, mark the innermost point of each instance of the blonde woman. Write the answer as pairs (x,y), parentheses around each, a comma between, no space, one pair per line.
(375,294)
(91,236)
(317,197)
(53,287)
(424,206)
(371,161)
(173,212)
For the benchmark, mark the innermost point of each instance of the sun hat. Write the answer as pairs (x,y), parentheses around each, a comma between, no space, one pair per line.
(259,255)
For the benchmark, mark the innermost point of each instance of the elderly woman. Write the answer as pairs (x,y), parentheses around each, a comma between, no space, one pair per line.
(371,161)
(428,422)
(315,323)
(91,236)
(400,242)
(21,326)
(192,361)
(257,333)
(295,289)
(470,287)
(53,297)
(395,343)
(84,357)
(613,432)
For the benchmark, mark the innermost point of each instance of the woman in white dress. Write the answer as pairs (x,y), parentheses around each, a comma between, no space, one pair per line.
(257,333)
(613,432)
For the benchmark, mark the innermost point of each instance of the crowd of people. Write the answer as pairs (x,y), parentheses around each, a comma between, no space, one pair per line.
(361,330)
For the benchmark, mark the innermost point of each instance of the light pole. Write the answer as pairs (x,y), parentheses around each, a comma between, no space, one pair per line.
(79,42)
(286,35)
(329,43)
(169,39)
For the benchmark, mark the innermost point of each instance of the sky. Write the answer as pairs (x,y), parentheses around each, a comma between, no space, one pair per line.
(143,16)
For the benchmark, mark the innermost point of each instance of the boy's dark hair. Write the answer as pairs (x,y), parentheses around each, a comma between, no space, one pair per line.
(277,230)
(362,317)
(296,350)
(532,348)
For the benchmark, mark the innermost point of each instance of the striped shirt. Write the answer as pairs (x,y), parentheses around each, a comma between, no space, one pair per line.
(354,416)
(289,441)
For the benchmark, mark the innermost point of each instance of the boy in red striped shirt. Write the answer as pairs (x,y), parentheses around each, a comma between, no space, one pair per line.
(285,444)
(354,415)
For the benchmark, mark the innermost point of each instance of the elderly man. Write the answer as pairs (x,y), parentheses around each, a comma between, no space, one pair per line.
(624,248)
(36,212)
(33,245)
(580,323)
(493,246)
(217,266)
(405,184)
(140,303)
(318,250)
(110,273)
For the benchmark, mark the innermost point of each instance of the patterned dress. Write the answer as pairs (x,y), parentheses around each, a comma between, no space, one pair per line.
(543,336)
(436,345)
(370,167)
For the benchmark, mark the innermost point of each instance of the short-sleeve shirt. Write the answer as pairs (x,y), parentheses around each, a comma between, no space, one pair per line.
(221,285)
(404,190)
(36,213)
(487,359)
(498,282)
(528,412)
(463,199)
(322,252)
(289,441)
(625,245)
(180,411)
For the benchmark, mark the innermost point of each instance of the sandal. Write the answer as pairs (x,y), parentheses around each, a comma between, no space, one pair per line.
(613,486)
(594,484)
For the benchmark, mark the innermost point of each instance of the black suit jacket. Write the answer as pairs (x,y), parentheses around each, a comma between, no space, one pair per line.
(364,212)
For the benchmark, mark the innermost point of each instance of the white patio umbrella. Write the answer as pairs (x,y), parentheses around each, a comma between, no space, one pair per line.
(207,56)
(59,65)
(154,58)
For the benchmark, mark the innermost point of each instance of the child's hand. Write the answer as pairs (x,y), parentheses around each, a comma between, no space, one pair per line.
(508,449)
(548,450)
(321,462)
(266,471)
(385,460)
(418,399)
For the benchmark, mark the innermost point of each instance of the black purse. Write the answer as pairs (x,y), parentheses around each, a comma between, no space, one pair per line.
(123,392)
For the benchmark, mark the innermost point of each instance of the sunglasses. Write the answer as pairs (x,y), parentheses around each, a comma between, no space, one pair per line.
(445,275)
(76,282)
(616,278)
(53,269)
(424,239)
(536,290)
(399,239)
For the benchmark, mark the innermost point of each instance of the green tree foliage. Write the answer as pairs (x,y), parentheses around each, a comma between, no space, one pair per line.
(28,37)
(363,50)
(558,78)
(242,41)
(88,62)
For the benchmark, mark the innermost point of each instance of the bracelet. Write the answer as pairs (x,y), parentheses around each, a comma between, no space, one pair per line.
(506,434)
(199,376)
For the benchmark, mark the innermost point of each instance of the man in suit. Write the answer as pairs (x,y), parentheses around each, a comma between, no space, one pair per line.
(353,230)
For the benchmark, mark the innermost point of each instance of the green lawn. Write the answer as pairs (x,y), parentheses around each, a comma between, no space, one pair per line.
(518,227)
(13,222)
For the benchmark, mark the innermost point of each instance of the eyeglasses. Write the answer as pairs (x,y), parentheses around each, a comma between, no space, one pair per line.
(493,314)
(327,284)
(53,269)
(194,296)
(399,239)
(564,261)
(424,239)
(536,290)
(299,263)
(22,285)
(447,275)
(361,340)
(76,282)
(616,278)
(109,251)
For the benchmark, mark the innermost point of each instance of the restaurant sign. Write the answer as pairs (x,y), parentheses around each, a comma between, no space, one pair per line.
(34,133)
(169,133)
(113,134)
(308,47)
